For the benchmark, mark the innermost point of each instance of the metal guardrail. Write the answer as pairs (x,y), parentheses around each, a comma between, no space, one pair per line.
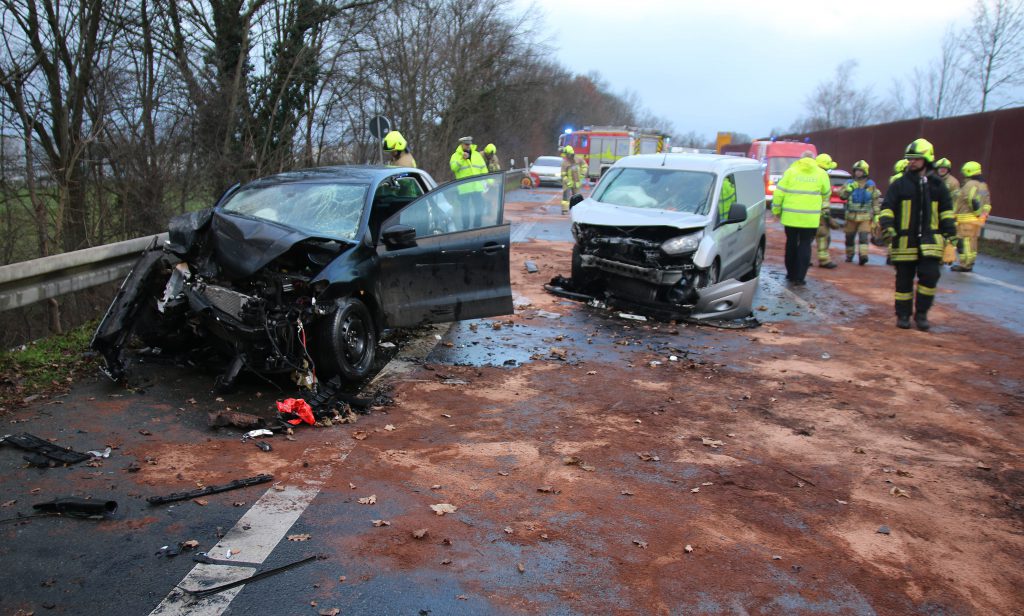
(1008,226)
(514,179)
(28,282)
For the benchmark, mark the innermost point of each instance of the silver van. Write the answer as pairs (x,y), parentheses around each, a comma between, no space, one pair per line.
(676,235)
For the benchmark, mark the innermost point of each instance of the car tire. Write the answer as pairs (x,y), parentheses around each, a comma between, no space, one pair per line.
(582,280)
(347,342)
(755,267)
(711,275)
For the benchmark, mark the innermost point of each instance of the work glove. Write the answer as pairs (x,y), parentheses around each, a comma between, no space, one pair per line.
(953,240)
(888,234)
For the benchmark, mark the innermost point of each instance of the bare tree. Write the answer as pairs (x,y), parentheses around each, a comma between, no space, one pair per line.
(994,45)
(838,103)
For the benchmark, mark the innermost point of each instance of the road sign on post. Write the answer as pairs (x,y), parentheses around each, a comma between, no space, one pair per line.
(380,126)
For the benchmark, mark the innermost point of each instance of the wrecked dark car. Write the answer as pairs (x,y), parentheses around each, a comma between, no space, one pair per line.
(675,236)
(301,272)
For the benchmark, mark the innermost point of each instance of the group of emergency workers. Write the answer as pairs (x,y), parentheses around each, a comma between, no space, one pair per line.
(925,218)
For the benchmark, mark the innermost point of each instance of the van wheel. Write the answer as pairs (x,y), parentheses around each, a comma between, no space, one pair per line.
(755,267)
(347,342)
(711,275)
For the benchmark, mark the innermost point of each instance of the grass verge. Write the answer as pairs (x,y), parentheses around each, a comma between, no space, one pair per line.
(44,368)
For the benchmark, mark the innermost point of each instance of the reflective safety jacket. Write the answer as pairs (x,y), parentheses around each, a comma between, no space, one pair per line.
(726,198)
(493,165)
(584,168)
(952,185)
(571,177)
(405,159)
(464,167)
(862,199)
(801,195)
(972,200)
(920,210)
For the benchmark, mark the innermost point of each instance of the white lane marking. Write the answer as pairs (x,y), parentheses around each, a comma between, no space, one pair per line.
(998,283)
(522,232)
(255,536)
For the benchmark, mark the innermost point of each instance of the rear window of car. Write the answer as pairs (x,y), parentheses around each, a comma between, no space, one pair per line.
(662,189)
(548,161)
(777,165)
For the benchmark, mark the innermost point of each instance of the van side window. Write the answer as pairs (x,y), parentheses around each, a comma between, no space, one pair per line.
(750,188)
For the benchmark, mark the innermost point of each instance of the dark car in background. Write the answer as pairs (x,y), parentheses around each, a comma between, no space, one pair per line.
(300,272)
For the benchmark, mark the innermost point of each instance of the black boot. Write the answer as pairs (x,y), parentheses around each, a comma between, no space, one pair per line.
(829,265)
(921,320)
(903,321)
(961,268)
(849,258)
(863,261)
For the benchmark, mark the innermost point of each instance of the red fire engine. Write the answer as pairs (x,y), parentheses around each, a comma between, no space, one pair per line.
(601,146)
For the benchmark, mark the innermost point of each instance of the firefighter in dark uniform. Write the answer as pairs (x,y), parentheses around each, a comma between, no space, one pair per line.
(917,221)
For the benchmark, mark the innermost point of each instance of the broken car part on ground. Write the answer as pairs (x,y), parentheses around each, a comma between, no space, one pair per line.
(300,272)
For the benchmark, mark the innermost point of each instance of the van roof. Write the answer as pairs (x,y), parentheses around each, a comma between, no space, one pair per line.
(711,163)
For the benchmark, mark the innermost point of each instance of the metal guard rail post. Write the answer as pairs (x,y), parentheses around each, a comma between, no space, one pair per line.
(1008,226)
(28,282)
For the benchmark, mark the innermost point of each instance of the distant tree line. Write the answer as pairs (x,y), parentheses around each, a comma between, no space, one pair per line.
(979,67)
(117,114)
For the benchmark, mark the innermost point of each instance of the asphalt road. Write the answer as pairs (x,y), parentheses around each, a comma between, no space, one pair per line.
(161,444)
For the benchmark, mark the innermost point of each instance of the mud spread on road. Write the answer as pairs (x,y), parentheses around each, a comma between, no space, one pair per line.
(593,473)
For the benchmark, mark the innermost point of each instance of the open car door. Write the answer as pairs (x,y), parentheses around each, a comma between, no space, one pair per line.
(445,256)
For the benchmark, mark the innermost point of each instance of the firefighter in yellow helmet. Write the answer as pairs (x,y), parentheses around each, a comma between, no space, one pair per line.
(824,235)
(797,203)
(572,180)
(862,199)
(467,162)
(942,168)
(897,170)
(971,206)
(396,145)
(917,220)
(491,158)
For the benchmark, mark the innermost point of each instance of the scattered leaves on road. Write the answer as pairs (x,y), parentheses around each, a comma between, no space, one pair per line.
(191,544)
(368,500)
(648,457)
(688,548)
(331,612)
(521,567)
(508,530)
(389,427)
(420,533)
(858,450)
(302,537)
(640,544)
(899,492)
(202,502)
(548,490)
(626,493)
(379,523)
(443,508)
(984,467)
(710,442)
(360,435)
(9,503)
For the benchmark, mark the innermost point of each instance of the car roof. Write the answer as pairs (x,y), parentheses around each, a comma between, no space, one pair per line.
(354,173)
(709,163)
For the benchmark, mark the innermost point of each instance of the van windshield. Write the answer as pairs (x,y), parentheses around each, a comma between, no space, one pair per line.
(777,165)
(662,189)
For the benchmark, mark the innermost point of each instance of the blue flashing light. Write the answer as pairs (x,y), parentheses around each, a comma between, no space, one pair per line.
(568,131)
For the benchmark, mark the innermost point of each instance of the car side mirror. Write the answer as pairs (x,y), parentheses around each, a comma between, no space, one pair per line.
(737,213)
(576,199)
(399,236)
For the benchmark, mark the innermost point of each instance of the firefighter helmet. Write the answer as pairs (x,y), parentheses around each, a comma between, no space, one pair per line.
(394,141)
(971,168)
(921,148)
(943,163)
(862,165)
(825,162)
(489,149)
(568,151)
(900,165)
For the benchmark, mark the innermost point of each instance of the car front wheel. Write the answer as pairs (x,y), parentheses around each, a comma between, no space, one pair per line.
(348,342)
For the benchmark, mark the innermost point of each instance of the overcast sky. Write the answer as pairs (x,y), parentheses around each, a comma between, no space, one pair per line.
(741,65)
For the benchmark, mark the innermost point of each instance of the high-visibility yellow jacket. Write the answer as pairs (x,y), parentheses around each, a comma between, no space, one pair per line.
(919,209)
(972,200)
(726,197)
(464,167)
(801,195)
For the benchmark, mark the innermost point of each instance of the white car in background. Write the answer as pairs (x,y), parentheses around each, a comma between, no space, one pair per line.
(663,234)
(547,170)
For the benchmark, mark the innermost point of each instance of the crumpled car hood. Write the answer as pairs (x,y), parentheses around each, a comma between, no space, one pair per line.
(590,212)
(241,246)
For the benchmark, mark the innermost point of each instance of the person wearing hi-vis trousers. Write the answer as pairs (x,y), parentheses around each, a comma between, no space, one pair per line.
(917,221)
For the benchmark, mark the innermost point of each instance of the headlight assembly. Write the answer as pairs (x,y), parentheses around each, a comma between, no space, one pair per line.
(682,244)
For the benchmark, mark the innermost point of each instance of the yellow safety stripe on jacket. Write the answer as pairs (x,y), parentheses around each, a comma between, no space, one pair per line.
(793,210)
(796,192)
(904,296)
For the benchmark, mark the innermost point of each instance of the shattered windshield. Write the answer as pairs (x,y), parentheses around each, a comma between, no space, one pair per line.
(331,210)
(662,189)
